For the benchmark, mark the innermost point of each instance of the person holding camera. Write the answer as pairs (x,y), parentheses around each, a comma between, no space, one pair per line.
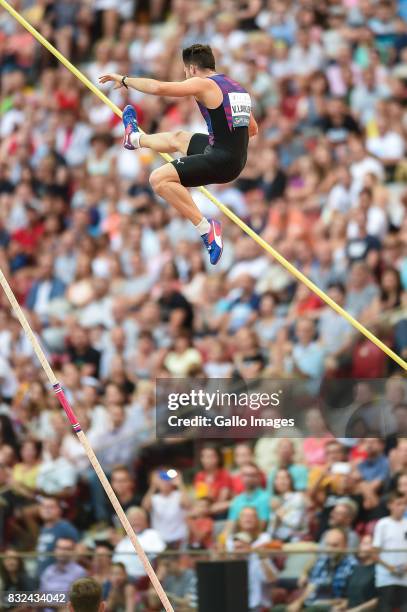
(167,501)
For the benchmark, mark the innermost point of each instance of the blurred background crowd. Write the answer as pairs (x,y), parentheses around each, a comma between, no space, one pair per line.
(116,287)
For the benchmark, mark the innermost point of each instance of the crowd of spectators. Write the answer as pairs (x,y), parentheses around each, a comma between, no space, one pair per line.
(344,510)
(116,287)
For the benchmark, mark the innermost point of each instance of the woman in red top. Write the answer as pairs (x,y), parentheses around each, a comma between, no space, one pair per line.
(214,481)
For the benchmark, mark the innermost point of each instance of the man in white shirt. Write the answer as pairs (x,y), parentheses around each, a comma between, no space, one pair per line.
(391,570)
(340,196)
(149,539)
(376,217)
(362,164)
(56,475)
(8,381)
(388,145)
(305,56)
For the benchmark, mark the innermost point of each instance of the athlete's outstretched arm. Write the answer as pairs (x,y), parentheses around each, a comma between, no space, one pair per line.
(180,89)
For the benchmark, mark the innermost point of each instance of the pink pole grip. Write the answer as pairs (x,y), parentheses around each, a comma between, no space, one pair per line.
(59,392)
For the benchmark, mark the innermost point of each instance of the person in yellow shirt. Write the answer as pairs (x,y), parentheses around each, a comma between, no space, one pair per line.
(24,474)
(322,479)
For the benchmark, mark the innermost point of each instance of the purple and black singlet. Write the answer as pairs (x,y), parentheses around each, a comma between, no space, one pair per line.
(220,156)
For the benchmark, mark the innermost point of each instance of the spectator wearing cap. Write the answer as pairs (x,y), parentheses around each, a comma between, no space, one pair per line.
(168,502)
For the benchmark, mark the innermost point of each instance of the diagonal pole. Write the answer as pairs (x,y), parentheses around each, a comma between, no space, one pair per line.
(226,211)
(85,443)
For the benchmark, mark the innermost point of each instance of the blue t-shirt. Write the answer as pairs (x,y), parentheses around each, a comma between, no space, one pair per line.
(48,538)
(374,469)
(259,499)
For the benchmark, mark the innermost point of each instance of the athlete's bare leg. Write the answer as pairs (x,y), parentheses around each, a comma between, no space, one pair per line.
(165,182)
(167,142)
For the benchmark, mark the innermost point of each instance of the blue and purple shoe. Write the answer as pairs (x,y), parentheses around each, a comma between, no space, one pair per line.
(213,241)
(130,125)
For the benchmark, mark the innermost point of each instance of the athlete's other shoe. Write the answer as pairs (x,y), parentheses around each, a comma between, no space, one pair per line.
(130,125)
(213,241)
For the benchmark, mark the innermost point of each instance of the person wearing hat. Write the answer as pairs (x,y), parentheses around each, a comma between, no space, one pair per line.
(167,502)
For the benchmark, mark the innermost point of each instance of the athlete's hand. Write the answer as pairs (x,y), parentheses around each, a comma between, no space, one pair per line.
(115,78)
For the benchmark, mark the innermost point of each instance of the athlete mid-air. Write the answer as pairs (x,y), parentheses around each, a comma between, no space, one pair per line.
(215,158)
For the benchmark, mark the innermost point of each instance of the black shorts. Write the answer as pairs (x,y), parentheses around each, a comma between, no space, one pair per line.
(205,165)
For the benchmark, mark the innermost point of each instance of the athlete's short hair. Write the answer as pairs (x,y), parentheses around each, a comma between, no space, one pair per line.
(85,595)
(200,56)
